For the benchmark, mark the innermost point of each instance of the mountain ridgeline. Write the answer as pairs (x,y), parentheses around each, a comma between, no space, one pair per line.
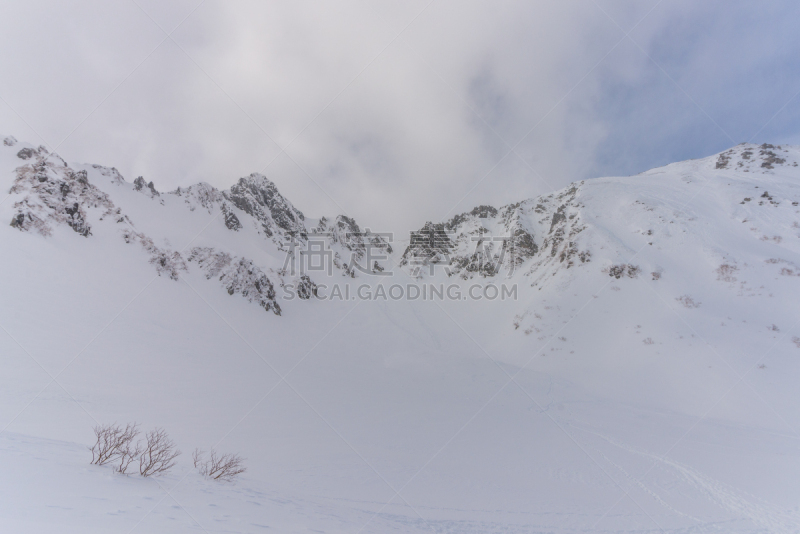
(531,240)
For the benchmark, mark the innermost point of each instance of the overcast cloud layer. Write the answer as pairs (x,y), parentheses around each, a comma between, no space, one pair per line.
(397,112)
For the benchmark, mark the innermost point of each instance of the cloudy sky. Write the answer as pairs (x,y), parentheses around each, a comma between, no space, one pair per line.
(397,112)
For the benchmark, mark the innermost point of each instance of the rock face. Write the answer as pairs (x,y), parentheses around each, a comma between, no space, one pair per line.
(54,194)
(238,275)
(231,220)
(354,250)
(200,195)
(110,172)
(306,288)
(748,157)
(140,185)
(259,198)
(489,242)
(533,238)
(51,193)
(166,261)
(431,245)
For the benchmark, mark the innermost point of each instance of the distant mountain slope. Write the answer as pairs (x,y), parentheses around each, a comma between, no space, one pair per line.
(47,191)
(642,377)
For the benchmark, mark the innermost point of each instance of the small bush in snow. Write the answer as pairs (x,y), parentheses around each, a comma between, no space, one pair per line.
(115,443)
(623,269)
(127,455)
(158,455)
(688,302)
(218,466)
(725,273)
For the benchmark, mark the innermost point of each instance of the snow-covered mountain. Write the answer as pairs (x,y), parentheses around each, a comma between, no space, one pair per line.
(640,374)
(49,192)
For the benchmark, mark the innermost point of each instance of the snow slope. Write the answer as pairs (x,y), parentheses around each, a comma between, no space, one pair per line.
(644,379)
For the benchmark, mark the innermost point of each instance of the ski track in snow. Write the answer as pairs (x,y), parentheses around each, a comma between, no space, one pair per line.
(764,515)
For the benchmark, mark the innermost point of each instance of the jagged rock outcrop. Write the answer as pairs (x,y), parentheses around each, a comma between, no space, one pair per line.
(140,185)
(748,157)
(487,241)
(305,287)
(54,194)
(354,250)
(167,262)
(429,246)
(110,172)
(28,153)
(231,220)
(200,194)
(238,275)
(259,197)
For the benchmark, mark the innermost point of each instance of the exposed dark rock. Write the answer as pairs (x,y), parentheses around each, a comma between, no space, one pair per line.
(55,193)
(258,197)
(558,217)
(362,246)
(238,275)
(26,153)
(430,244)
(139,184)
(624,269)
(306,288)
(110,172)
(231,220)
(481,212)
(167,262)
(200,195)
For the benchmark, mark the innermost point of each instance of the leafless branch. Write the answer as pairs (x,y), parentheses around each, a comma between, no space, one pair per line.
(158,455)
(219,466)
(197,458)
(127,455)
(114,442)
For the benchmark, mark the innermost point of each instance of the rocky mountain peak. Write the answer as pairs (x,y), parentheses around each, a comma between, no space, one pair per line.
(748,157)
(488,240)
(257,196)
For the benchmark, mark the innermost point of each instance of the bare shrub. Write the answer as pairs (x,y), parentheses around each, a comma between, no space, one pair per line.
(792,270)
(127,455)
(219,466)
(725,273)
(648,341)
(618,271)
(158,455)
(197,458)
(796,341)
(633,271)
(688,301)
(114,443)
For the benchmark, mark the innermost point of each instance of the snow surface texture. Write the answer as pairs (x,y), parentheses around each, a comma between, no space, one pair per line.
(644,380)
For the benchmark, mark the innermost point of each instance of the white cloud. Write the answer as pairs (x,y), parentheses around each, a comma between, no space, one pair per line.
(394,130)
